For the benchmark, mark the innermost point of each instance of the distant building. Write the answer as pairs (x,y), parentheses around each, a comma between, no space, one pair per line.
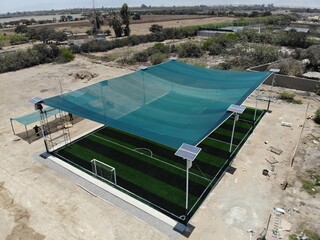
(213,32)
(298,29)
(314,18)
(100,37)
(78,38)
(232,28)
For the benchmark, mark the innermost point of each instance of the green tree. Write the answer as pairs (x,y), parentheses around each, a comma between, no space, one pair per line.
(96,19)
(65,55)
(63,18)
(18,39)
(289,66)
(157,58)
(32,33)
(189,49)
(263,54)
(115,23)
(140,56)
(21,29)
(125,15)
(155,28)
(313,54)
(317,116)
(60,36)
(46,34)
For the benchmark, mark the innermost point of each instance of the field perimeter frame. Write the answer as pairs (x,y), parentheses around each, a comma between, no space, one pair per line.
(151,173)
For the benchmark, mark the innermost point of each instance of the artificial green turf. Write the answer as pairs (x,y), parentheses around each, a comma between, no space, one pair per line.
(160,178)
(162,189)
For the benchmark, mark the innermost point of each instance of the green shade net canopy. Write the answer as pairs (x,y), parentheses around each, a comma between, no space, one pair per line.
(35,117)
(170,103)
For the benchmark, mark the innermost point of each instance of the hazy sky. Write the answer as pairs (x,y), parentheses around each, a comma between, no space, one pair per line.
(28,5)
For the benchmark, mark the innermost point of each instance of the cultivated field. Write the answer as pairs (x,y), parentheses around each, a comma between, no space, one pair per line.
(138,26)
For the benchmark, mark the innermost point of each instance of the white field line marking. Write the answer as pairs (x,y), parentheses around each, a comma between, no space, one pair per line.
(213,139)
(148,156)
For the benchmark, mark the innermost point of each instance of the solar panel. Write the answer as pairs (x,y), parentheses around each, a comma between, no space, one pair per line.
(143,68)
(186,155)
(236,108)
(188,151)
(35,100)
(274,70)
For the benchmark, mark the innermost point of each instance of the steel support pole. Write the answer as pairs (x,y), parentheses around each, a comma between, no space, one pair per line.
(25,127)
(12,126)
(255,110)
(95,168)
(234,125)
(187,187)
(270,90)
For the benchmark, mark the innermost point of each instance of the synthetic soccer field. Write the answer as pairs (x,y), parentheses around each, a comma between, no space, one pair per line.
(152,173)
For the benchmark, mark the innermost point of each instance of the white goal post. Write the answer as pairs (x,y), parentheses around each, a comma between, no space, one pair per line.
(104,171)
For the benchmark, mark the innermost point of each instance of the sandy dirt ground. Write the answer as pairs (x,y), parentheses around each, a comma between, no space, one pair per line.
(38,203)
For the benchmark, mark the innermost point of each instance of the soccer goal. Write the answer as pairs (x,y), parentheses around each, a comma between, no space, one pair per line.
(104,171)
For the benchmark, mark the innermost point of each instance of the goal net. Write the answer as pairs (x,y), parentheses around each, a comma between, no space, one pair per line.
(104,171)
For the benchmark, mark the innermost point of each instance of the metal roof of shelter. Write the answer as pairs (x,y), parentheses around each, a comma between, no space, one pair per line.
(233,28)
(298,29)
(170,103)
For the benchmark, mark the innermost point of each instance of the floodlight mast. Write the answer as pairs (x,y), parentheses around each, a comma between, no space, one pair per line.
(36,101)
(236,110)
(274,71)
(189,153)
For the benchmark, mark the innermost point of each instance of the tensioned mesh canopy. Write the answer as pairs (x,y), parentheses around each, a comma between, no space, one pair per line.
(170,103)
(35,117)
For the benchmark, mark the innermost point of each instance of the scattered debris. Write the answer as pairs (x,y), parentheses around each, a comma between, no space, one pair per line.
(315,142)
(315,138)
(271,160)
(284,184)
(296,210)
(83,74)
(265,172)
(272,168)
(265,142)
(279,210)
(302,236)
(286,124)
(250,231)
(275,150)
